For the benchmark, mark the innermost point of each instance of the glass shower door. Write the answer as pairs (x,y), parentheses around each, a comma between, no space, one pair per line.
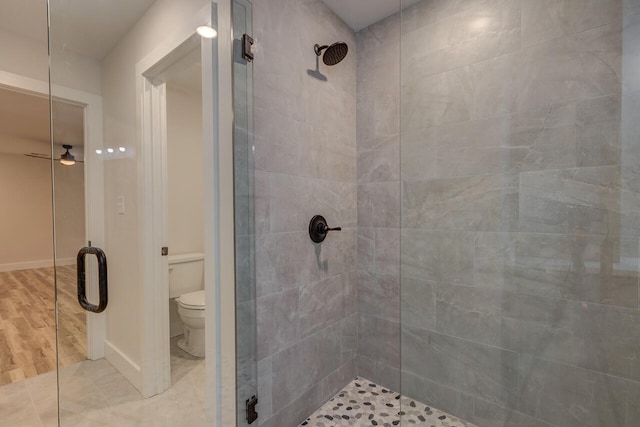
(130,143)
(27,315)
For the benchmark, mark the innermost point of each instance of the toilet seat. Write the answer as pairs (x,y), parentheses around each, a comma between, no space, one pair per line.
(192,300)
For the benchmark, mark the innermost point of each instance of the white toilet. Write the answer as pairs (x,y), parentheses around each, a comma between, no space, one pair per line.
(186,282)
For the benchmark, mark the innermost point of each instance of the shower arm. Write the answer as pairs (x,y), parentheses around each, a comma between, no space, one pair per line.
(318,49)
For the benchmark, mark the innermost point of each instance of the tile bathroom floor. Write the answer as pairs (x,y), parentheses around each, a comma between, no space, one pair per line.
(94,394)
(364,403)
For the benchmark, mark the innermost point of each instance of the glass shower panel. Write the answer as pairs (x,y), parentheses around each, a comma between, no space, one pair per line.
(246,346)
(520,224)
(27,314)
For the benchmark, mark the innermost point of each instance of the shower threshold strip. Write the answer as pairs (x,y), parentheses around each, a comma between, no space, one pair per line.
(365,403)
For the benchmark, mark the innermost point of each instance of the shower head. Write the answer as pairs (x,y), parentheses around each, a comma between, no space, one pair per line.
(333,54)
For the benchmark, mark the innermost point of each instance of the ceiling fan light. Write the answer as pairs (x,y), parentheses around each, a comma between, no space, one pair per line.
(67,158)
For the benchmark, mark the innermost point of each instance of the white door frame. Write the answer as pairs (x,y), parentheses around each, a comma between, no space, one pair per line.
(93,176)
(151,95)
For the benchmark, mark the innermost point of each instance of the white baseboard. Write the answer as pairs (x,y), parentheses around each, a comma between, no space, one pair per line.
(29,265)
(130,370)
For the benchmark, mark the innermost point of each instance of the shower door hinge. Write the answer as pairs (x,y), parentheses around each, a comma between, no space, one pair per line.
(252,415)
(247,44)
(164,251)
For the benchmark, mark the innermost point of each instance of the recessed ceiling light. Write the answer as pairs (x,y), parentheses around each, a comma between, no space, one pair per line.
(109,150)
(98,151)
(207,32)
(122,149)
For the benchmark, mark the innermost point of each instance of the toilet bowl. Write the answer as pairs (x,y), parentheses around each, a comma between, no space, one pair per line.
(192,314)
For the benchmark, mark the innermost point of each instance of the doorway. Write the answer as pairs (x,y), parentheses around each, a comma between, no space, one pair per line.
(27,294)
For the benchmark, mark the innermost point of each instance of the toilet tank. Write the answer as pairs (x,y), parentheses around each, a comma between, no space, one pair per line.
(186,273)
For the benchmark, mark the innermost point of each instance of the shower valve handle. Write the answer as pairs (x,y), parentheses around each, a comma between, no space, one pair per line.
(327,229)
(318,229)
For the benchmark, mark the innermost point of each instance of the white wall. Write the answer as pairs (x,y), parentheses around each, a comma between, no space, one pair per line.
(25,212)
(122,175)
(28,57)
(185,170)
(70,214)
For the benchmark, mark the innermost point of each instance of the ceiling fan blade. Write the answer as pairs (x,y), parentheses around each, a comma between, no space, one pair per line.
(45,157)
(38,156)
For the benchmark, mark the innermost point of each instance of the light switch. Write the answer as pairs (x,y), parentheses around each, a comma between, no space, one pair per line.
(120,205)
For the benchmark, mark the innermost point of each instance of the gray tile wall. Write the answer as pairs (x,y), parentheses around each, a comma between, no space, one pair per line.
(305,164)
(503,168)
(378,157)
(520,211)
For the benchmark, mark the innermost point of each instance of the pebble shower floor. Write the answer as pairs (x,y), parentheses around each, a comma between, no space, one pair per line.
(364,403)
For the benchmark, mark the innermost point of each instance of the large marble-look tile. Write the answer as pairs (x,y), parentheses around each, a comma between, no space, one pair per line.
(600,269)
(294,413)
(379,204)
(349,347)
(432,393)
(379,295)
(485,202)
(486,372)
(490,414)
(295,200)
(321,303)
(265,380)
(278,317)
(476,32)
(282,144)
(587,199)
(441,256)
(245,269)
(567,396)
(387,252)
(418,154)
(335,381)
(538,139)
(470,312)
(439,99)
(278,261)
(598,131)
(301,367)
(379,338)
(380,165)
(366,249)
(418,303)
(544,20)
(336,255)
(576,67)
(262,203)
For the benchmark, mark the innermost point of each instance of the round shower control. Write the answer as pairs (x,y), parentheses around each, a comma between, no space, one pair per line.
(318,229)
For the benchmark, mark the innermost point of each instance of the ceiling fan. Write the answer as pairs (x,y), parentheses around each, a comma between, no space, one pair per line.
(66,158)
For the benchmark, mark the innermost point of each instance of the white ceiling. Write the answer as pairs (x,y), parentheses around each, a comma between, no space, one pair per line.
(24,124)
(90,28)
(359,14)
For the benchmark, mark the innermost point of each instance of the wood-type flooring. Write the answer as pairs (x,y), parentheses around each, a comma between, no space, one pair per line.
(27,323)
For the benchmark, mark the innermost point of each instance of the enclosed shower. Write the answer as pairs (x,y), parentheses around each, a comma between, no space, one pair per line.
(481,158)
(360,212)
